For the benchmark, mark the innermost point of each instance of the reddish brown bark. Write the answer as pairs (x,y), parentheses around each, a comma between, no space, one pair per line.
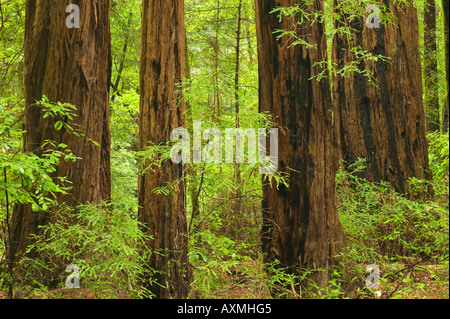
(69,66)
(383,122)
(301,225)
(162,110)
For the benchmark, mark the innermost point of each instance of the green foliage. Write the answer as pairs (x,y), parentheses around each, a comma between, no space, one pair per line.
(439,87)
(12,22)
(216,193)
(103,241)
(283,283)
(439,156)
(212,255)
(382,228)
(126,36)
(26,177)
(387,229)
(124,146)
(63,113)
(382,224)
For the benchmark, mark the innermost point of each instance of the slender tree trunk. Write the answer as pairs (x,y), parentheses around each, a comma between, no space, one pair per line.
(161,111)
(69,66)
(383,122)
(115,86)
(216,64)
(445,113)
(192,171)
(187,85)
(237,65)
(431,99)
(301,224)
(196,173)
(237,169)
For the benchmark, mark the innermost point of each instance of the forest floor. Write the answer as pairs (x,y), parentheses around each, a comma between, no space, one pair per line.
(422,281)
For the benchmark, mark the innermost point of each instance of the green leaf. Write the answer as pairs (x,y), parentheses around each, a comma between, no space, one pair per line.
(58,125)
(94,142)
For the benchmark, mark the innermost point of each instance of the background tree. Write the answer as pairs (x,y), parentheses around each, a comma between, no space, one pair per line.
(68,65)
(431,97)
(301,225)
(445,113)
(378,107)
(224,200)
(162,110)
(12,20)
(237,76)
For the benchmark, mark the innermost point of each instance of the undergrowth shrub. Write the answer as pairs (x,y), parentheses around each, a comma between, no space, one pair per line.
(382,223)
(104,242)
(385,228)
(213,257)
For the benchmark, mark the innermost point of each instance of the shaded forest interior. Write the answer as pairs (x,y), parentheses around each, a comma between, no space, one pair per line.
(116,176)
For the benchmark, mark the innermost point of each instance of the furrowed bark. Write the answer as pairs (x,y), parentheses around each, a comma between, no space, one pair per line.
(69,65)
(162,110)
(301,224)
(384,121)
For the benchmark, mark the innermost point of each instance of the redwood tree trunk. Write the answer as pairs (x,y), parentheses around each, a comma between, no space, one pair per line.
(301,224)
(69,66)
(161,111)
(383,122)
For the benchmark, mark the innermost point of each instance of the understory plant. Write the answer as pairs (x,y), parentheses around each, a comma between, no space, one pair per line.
(106,245)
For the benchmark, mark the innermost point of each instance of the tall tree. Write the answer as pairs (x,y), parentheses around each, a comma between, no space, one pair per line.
(69,65)
(301,224)
(216,62)
(237,169)
(431,98)
(378,109)
(445,113)
(162,110)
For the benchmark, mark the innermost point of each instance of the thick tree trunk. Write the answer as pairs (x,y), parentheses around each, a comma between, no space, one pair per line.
(301,224)
(162,111)
(69,66)
(383,122)
(431,100)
